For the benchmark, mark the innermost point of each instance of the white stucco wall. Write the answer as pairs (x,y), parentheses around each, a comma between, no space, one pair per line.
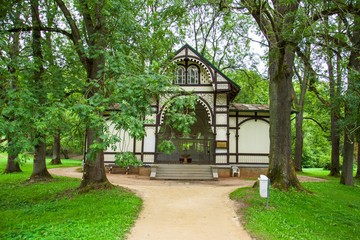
(254,137)
(149,139)
(126,142)
(232,141)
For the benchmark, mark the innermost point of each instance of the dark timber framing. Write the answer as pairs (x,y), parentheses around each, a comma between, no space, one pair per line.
(216,93)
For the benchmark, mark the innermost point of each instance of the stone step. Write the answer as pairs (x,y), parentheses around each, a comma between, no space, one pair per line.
(183,172)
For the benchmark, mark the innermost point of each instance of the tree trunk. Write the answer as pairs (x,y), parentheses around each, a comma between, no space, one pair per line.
(347,169)
(40,172)
(353,77)
(358,159)
(94,176)
(299,141)
(56,150)
(65,153)
(12,165)
(335,146)
(281,169)
(94,31)
(300,117)
(334,109)
(94,170)
(39,169)
(278,29)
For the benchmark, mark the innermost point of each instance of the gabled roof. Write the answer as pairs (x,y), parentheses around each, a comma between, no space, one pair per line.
(235,88)
(249,107)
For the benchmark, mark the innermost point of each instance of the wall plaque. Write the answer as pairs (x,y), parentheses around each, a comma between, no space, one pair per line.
(221,144)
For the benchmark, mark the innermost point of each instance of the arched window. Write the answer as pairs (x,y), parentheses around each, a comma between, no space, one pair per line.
(180,75)
(193,75)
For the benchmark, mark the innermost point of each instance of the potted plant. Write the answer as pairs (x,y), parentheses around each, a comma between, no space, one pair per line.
(127,161)
(186,156)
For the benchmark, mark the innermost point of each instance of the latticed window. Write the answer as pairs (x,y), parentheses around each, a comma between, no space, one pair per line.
(193,75)
(180,75)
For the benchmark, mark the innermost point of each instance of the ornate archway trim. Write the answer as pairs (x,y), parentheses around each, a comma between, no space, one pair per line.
(198,61)
(252,118)
(199,100)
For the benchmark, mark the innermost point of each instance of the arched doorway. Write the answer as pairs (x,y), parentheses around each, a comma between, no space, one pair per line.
(195,148)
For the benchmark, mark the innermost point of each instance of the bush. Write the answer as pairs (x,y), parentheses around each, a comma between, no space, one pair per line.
(127,159)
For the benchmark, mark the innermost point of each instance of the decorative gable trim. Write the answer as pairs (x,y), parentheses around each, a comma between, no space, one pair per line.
(220,81)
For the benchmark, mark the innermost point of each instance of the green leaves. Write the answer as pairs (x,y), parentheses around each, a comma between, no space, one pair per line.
(127,159)
(180,114)
(166,146)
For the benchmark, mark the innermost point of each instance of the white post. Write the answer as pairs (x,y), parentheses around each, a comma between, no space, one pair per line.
(264,188)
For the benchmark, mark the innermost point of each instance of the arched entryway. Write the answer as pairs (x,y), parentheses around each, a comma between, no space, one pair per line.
(195,148)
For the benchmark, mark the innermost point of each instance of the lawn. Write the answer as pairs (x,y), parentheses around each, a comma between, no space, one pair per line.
(54,210)
(328,211)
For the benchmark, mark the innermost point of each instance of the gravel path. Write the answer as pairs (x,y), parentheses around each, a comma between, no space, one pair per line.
(181,210)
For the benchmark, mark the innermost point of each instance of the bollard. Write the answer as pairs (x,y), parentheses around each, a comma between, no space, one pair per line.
(264,188)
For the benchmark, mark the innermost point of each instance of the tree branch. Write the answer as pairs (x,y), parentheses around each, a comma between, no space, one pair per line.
(314,120)
(41,28)
(347,8)
(89,25)
(314,77)
(74,32)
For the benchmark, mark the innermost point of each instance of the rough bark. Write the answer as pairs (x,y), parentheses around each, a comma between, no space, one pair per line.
(347,169)
(12,165)
(335,146)
(94,25)
(299,141)
(94,176)
(358,160)
(334,109)
(281,170)
(65,153)
(56,160)
(39,169)
(277,26)
(56,151)
(353,76)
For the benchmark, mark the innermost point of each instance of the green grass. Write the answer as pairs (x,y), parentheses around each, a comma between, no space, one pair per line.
(54,210)
(330,211)
(316,172)
(27,165)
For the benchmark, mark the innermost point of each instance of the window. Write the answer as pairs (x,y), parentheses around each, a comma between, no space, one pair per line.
(180,75)
(193,75)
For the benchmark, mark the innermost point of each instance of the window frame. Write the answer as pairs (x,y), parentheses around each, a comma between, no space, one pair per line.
(188,73)
(182,76)
(189,77)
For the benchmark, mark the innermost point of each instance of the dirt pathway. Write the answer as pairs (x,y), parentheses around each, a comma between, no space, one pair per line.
(180,210)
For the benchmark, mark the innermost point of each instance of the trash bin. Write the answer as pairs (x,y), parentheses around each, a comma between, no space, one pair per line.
(264,186)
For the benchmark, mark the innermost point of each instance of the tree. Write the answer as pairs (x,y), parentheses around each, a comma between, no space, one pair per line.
(254,85)
(335,108)
(352,101)
(277,23)
(299,103)
(285,25)
(56,158)
(328,31)
(10,83)
(39,167)
(118,73)
(358,159)
(221,36)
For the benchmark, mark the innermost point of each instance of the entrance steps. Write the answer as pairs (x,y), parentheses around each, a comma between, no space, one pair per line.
(183,172)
